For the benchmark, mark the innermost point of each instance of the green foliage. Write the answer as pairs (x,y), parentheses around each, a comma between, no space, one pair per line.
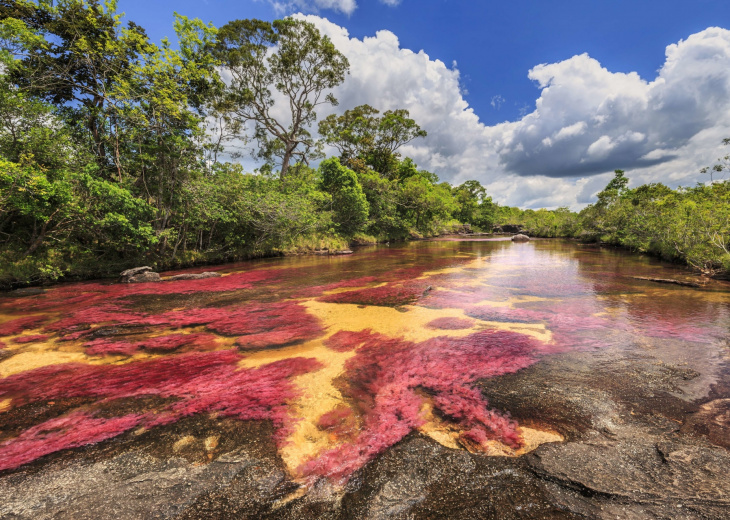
(348,203)
(363,138)
(107,158)
(292,57)
(690,225)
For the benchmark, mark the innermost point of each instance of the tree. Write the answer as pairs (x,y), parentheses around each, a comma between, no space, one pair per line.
(349,205)
(360,134)
(72,54)
(292,57)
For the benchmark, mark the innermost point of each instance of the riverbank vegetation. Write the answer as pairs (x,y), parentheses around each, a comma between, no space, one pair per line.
(685,225)
(117,151)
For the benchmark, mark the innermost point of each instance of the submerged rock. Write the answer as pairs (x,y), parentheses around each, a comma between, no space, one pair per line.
(668,280)
(520,238)
(27,291)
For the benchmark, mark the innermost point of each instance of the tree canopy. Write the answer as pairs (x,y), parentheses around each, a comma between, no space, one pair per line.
(292,58)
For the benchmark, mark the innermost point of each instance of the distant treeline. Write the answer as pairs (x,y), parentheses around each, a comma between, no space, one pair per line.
(116,151)
(688,225)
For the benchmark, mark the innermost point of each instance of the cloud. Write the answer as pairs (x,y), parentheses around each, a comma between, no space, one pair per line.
(497,101)
(586,122)
(285,7)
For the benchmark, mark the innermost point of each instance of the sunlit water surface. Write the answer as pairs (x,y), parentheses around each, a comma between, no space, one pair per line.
(344,355)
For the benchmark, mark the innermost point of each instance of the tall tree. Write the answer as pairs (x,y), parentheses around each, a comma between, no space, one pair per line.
(359,134)
(291,57)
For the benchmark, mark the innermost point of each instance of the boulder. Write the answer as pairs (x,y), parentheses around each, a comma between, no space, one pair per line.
(126,276)
(193,276)
(147,276)
(520,238)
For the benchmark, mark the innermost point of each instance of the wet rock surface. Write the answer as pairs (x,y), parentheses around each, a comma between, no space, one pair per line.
(127,275)
(639,444)
(193,276)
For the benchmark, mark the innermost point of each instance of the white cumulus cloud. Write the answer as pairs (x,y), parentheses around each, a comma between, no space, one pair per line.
(586,122)
(289,6)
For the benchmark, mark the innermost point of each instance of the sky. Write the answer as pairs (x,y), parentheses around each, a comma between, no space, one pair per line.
(539,101)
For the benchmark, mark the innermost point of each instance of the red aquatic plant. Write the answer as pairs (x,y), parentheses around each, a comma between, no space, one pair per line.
(388,378)
(346,340)
(190,384)
(18,325)
(392,294)
(69,431)
(168,343)
(35,338)
(107,347)
(175,341)
(450,324)
(317,290)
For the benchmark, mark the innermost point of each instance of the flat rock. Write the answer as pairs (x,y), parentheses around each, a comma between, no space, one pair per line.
(192,276)
(520,238)
(126,276)
(145,277)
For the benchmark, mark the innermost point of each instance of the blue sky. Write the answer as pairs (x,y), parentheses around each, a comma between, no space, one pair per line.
(477,57)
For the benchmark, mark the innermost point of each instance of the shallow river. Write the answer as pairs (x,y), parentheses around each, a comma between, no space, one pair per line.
(336,377)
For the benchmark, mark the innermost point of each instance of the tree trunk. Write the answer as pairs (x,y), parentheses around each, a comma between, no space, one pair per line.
(285,162)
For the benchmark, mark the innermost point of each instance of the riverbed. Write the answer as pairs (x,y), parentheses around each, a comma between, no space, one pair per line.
(454,378)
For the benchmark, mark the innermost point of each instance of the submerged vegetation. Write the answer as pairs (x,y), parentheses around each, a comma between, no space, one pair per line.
(116,151)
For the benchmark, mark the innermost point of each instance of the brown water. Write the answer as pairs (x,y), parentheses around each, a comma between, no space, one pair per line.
(345,356)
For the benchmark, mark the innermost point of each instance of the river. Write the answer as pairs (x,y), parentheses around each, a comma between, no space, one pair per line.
(453,378)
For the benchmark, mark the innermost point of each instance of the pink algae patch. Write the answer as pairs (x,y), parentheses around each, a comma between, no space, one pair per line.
(387,380)
(172,342)
(259,325)
(390,295)
(450,324)
(345,340)
(191,383)
(69,431)
(18,325)
(316,290)
(35,338)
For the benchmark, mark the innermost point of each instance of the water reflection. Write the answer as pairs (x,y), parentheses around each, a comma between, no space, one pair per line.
(344,355)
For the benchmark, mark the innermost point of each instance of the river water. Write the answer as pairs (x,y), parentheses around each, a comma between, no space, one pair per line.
(344,357)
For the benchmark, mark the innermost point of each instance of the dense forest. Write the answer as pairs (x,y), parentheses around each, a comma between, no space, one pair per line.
(117,151)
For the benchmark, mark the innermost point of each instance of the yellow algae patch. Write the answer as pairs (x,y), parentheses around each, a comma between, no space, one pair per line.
(211,442)
(448,435)
(44,354)
(318,396)
(5,405)
(531,438)
(30,360)
(411,325)
(183,442)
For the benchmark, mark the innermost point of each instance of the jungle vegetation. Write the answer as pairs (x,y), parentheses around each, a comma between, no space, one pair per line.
(117,151)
